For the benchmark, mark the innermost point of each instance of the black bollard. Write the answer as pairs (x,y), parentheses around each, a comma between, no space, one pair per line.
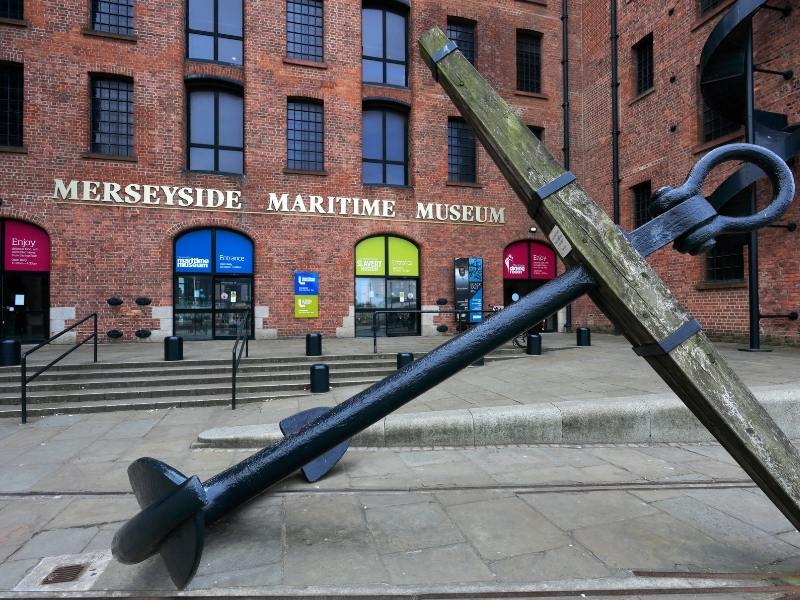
(320,378)
(10,353)
(404,358)
(534,346)
(584,336)
(313,344)
(173,348)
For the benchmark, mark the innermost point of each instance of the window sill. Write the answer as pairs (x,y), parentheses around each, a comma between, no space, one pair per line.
(536,2)
(642,96)
(707,16)
(536,95)
(724,139)
(305,63)
(14,149)
(303,172)
(466,184)
(388,185)
(205,61)
(731,284)
(220,173)
(385,85)
(108,35)
(114,157)
(15,22)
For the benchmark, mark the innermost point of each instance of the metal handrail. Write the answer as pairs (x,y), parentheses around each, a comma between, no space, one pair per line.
(25,380)
(236,357)
(375,314)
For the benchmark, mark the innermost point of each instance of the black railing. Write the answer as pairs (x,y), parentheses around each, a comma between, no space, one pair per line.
(463,319)
(242,344)
(25,380)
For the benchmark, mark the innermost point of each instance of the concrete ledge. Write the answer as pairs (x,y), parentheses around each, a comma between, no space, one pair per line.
(654,418)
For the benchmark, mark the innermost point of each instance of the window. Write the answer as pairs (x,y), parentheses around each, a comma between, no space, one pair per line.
(537,131)
(383,50)
(11,9)
(725,261)
(707,5)
(384,147)
(214,30)
(460,152)
(529,61)
(304,30)
(714,123)
(112,116)
(641,200)
(113,16)
(216,131)
(643,54)
(305,135)
(463,34)
(10,105)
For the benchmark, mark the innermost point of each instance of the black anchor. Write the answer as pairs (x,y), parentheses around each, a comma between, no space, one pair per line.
(176,508)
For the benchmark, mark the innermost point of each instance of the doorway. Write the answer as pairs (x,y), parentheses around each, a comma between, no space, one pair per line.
(528,264)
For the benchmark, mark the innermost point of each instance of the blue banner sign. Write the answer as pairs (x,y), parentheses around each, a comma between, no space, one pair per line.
(234,253)
(475,289)
(306,283)
(193,252)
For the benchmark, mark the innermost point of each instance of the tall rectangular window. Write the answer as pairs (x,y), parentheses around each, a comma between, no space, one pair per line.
(383,46)
(214,30)
(216,131)
(11,9)
(11,96)
(707,5)
(529,61)
(384,147)
(460,152)
(641,199)
(462,32)
(715,124)
(725,261)
(305,147)
(643,56)
(113,16)
(304,39)
(112,116)
(537,131)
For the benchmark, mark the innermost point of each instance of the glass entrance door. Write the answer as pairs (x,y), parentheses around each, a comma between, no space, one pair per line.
(232,298)
(402,294)
(25,306)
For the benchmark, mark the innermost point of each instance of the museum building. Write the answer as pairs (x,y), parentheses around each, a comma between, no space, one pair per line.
(178,167)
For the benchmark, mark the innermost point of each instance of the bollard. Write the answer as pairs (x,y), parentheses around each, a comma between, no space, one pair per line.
(534,347)
(10,353)
(320,378)
(404,358)
(313,344)
(173,348)
(584,336)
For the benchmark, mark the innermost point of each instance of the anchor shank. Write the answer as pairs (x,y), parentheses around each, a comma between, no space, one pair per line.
(253,475)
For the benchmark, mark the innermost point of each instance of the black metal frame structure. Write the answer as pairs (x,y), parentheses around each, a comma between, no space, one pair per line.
(529,61)
(713,124)
(462,156)
(215,34)
(12,102)
(112,114)
(462,32)
(643,58)
(216,147)
(397,9)
(25,379)
(305,135)
(214,276)
(305,33)
(641,199)
(113,16)
(383,109)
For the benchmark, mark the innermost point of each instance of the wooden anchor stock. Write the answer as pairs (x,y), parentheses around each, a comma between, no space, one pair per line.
(601,260)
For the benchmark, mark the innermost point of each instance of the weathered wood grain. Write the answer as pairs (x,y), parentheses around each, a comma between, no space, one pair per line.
(629,293)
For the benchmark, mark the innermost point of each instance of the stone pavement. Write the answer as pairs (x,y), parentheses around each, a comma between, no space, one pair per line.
(491,519)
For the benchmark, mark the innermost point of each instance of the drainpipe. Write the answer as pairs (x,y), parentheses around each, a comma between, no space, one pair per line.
(565,109)
(614,114)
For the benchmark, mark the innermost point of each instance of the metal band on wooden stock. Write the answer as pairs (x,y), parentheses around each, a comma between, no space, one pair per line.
(445,50)
(668,344)
(548,189)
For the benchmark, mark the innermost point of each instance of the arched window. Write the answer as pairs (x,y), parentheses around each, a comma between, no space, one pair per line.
(387,278)
(384,137)
(384,47)
(216,130)
(213,289)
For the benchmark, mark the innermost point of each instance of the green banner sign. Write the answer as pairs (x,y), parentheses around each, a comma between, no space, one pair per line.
(306,307)
(371,256)
(403,258)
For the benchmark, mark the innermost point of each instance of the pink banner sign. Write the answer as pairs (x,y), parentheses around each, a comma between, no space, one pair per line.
(27,247)
(543,261)
(515,261)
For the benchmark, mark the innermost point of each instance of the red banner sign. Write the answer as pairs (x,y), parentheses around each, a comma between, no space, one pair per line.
(27,247)
(529,260)
(543,261)
(515,261)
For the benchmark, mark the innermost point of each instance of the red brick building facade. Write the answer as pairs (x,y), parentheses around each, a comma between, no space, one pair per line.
(264,125)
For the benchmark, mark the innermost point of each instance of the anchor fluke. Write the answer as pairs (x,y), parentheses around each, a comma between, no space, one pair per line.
(317,468)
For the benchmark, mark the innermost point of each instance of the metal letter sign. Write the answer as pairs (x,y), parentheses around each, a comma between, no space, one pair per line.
(602,261)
